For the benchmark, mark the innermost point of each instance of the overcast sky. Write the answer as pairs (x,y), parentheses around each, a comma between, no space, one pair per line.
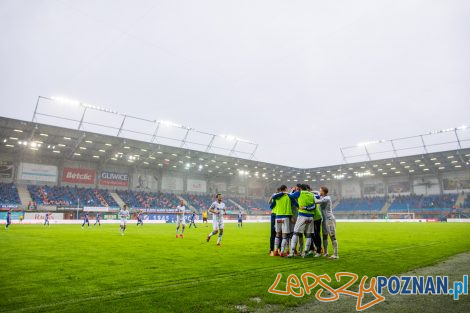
(301,78)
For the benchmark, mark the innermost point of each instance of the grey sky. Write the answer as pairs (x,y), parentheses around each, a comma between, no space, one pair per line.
(301,78)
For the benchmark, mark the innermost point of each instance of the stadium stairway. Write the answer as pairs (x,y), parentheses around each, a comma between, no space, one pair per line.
(386,206)
(24,194)
(238,206)
(116,198)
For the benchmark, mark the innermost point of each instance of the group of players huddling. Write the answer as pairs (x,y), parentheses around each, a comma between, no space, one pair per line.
(298,213)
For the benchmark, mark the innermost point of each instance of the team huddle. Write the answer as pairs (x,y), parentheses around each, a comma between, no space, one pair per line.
(302,212)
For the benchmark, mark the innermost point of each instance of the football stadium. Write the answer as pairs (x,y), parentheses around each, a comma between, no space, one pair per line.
(159,208)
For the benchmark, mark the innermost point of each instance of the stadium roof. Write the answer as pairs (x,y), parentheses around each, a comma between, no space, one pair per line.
(59,143)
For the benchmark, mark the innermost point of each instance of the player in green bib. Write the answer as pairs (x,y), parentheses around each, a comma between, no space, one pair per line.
(304,223)
(283,207)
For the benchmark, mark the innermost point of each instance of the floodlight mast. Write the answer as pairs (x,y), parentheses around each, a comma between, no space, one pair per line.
(156,123)
(423,145)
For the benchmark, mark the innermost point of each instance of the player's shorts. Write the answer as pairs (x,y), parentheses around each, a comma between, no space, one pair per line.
(283,225)
(329,227)
(180,221)
(217,224)
(123,222)
(304,224)
(204,219)
(240,221)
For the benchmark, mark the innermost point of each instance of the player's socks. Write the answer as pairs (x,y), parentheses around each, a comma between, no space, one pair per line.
(335,246)
(276,243)
(283,245)
(219,239)
(308,243)
(293,244)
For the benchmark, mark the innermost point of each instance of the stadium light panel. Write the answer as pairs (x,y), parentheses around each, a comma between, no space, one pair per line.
(441,167)
(458,166)
(450,157)
(10,146)
(82,148)
(143,150)
(366,143)
(56,151)
(77,154)
(101,150)
(17,130)
(425,169)
(43,134)
(152,157)
(160,164)
(88,141)
(67,138)
(96,156)
(127,147)
(455,161)
(108,144)
(13,138)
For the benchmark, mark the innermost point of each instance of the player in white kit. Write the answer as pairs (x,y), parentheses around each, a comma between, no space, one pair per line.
(218,210)
(180,219)
(123,214)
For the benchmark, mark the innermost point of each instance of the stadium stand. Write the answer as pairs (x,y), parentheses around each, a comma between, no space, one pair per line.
(9,194)
(361,204)
(154,200)
(71,196)
(413,202)
(251,204)
(200,202)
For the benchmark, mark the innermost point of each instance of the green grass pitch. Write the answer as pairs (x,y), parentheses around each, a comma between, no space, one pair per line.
(67,269)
